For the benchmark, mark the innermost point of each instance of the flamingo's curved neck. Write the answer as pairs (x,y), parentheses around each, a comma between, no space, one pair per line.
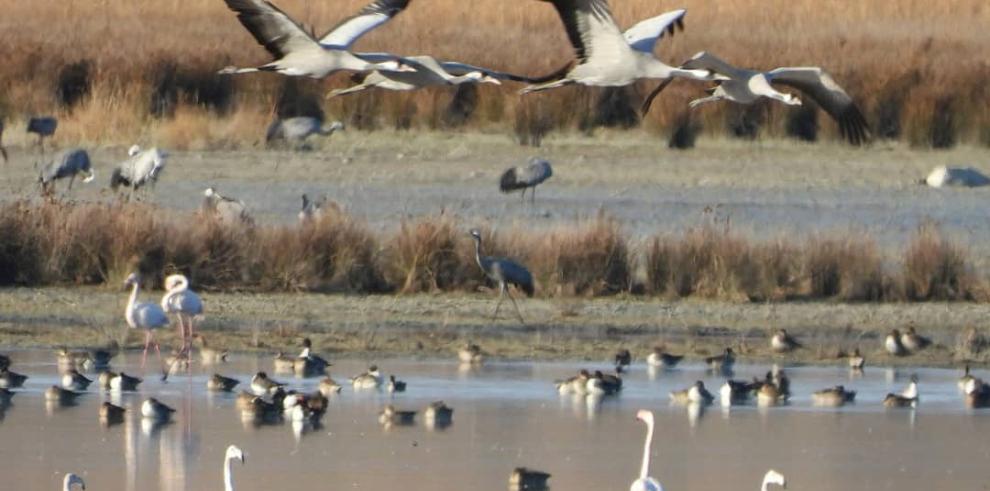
(129,313)
(645,469)
(228,478)
(766,483)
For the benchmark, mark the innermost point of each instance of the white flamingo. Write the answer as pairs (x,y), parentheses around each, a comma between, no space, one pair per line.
(71,479)
(184,303)
(645,482)
(773,477)
(144,315)
(233,452)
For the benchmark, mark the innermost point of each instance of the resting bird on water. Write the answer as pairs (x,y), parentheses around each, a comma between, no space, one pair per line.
(526,176)
(505,273)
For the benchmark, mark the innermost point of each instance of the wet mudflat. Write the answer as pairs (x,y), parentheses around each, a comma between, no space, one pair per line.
(505,415)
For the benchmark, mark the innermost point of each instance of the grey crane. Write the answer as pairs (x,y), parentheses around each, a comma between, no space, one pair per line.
(296,130)
(67,163)
(42,126)
(428,72)
(141,168)
(526,176)
(505,272)
(747,86)
(312,209)
(608,57)
(3,150)
(298,53)
(227,210)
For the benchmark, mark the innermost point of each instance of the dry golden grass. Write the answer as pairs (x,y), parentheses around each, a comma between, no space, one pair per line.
(918,68)
(80,244)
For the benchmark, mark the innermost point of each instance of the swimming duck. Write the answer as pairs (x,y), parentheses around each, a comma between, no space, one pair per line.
(4,362)
(394,385)
(892,343)
(577,384)
(735,392)
(769,394)
(834,396)
(261,411)
(696,394)
(723,362)
(391,416)
(856,360)
(11,380)
(261,385)
(471,353)
(623,358)
(907,398)
(777,377)
(73,380)
(70,359)
(977,394)
(603,384)
(219,383)
(111,414)
(5,396)
(329,386)
(523,479)
(284,363)
(154,409)
(308,364)
(966,380)
(372,379)
(781,342)
(660,358)
(244,399)
(914,342)
(60,395)
(209,355)
(438,415)
(120,382)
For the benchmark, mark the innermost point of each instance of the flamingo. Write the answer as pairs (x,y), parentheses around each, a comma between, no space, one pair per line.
(144,315)
(184,303)
(645,482)
(71,479)
(773,477)
(233,452)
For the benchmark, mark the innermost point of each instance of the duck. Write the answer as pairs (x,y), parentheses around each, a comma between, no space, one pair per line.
(438,415)
(834,396)
(372,379)
(893,345)
(118,382)
(4,362)
(5,396)
(603,384)
(769,394)
(329,386)
(856,360)
(695,394)
(907,398)
(155,410)
(391,416)
(209,355)
(284,363)
(966,380)
(316,403)
(471,354)
(735,392)
(111,414)
(177,361)
(73,380)
(777,377)
(244,399)
(623,358)
(60,395)
(523,479)
(261,385)
(912,341)
(977,394)
(307,364)
(219,383)
(70,359)
(723,362)
(781,342)
(660,358)
(394,385)
(11,380)
(577,384)
(262,411)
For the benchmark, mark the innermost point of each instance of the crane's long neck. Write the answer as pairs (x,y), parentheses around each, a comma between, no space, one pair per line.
(477,250)
(228,478)
(645,469)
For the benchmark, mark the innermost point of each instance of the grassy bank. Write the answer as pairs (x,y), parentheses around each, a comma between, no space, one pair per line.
(917,69)
(66,243)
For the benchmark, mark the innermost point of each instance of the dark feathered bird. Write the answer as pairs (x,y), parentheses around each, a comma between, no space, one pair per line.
(504,272)
(622,360)
(526,176)
(42,126)
(527,479)
(68,163)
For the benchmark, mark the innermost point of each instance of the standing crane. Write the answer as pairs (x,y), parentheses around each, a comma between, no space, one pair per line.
(68,163)
(528,176)
(227,210)
(141,168)
(504,272)
(42,126)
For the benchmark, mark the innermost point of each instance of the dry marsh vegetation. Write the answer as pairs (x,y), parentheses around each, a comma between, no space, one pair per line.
(87,244)
(126,71)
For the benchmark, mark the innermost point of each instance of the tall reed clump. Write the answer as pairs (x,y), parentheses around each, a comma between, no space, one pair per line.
(936,269)
(590,258)
(848,269)
(423,256)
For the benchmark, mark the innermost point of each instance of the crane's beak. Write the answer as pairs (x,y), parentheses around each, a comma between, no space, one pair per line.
(90,177)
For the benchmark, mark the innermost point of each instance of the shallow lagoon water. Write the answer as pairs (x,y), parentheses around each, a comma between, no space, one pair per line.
(505,415)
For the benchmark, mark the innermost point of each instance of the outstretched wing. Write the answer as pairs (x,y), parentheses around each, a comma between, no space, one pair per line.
(820,86)
(376,13)
(271,27)
(700,61)
(591,30)
(458,69)
(644,35)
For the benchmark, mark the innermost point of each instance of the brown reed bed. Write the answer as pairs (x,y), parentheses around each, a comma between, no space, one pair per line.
(90,244)
(131,71)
